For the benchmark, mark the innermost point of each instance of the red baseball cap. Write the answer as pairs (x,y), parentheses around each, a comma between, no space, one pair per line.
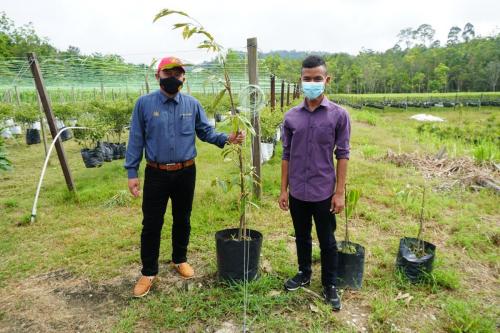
(171,62)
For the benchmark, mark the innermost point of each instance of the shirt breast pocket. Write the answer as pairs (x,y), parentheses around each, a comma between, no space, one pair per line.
(323,135)
(187,123)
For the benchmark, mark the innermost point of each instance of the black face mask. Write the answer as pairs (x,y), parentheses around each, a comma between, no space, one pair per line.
(171,85)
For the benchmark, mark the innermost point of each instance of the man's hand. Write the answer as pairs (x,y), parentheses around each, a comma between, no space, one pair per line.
(236,138)
(134,187)
(338,203)
(283,201)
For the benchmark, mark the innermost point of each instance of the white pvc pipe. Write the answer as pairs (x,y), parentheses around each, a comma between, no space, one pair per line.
(33,210)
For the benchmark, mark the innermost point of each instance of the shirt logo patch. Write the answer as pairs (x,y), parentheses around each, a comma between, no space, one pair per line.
(156,113)
(185,115)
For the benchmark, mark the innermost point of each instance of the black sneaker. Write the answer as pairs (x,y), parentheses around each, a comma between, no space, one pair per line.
(299,280)
(332,297)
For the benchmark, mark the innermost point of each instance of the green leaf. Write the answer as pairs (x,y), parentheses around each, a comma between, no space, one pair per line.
(185,32)
(246,124)
(209,36)
(253,204)
(191,32)
(352,200)
(227,150)
(180,25)
(218,98)
(166,12)
(235,124)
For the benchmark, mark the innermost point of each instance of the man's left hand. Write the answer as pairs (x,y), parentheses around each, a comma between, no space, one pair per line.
(236,138)
(338,203)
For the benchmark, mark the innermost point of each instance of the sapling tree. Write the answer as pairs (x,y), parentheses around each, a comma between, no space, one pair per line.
(191,27)
(351,200)
(419,251)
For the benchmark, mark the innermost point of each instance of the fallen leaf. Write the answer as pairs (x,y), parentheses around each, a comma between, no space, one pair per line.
(313,308)
(274,293)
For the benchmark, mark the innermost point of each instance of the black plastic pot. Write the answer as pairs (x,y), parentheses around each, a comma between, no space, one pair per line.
(92,157)
(32,136)
(351,266)
(415,269)
(230,255)
(119,150)
(66,135)
(107,151)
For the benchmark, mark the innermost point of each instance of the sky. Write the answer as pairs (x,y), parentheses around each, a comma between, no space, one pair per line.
(126,27)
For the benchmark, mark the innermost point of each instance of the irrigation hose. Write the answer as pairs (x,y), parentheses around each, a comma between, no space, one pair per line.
(33,210)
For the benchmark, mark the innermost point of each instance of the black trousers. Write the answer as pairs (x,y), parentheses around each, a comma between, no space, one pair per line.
(159,187)
(302,213)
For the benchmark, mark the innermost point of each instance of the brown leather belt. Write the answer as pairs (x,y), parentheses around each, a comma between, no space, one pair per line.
(171,166)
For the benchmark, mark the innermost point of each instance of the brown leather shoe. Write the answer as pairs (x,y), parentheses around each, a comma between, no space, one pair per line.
(143,286)
(185,270)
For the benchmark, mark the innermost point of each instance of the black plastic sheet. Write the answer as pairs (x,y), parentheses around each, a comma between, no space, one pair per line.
(415,269)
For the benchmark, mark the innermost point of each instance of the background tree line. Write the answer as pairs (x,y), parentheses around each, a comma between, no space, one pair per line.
(417,62)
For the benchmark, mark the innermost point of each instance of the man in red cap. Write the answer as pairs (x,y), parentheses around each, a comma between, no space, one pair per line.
(164,125)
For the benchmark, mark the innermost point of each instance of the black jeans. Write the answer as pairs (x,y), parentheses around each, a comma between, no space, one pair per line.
(302,213)
(159,186)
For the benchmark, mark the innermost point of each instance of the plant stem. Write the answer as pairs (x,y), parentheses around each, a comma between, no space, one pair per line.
(241,231)
(420,243)
(346,238)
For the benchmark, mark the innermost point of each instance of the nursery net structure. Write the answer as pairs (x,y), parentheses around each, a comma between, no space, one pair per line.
(77,76)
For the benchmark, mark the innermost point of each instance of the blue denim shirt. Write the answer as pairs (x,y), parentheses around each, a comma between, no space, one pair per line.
(165,128)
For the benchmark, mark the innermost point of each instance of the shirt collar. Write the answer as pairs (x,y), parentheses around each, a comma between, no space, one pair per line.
(164,99)
(324,102)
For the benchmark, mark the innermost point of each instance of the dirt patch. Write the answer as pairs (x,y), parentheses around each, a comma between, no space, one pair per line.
(355,311)
(451,171)
(60,301)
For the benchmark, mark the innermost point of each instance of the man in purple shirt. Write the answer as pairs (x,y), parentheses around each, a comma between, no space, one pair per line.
(313,131)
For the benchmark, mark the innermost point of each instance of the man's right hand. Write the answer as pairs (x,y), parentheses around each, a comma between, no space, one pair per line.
(134,187)
(283,200)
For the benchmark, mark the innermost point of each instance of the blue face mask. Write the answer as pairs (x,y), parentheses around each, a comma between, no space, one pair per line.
(313,90)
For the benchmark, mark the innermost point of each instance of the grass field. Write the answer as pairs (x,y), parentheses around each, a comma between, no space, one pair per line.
(74,269)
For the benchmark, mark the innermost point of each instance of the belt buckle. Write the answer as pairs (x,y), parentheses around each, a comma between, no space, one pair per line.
(170,164)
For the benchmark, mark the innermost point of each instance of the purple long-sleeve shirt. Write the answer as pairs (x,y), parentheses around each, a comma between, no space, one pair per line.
(309,141)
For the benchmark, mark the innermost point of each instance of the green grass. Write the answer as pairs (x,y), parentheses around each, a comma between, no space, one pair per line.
(95,236)
(462,318)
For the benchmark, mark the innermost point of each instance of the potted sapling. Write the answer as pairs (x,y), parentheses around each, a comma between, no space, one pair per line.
(117,115)
(415,256)
(64,112)
(351,255)
(29,115)
(6,120)
(269,122)
(89,139)
(238,249)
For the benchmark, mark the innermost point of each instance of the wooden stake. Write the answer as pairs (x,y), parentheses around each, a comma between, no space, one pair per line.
(273,92)
(40,86)
(288,94)
(253,78)
(282,101)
